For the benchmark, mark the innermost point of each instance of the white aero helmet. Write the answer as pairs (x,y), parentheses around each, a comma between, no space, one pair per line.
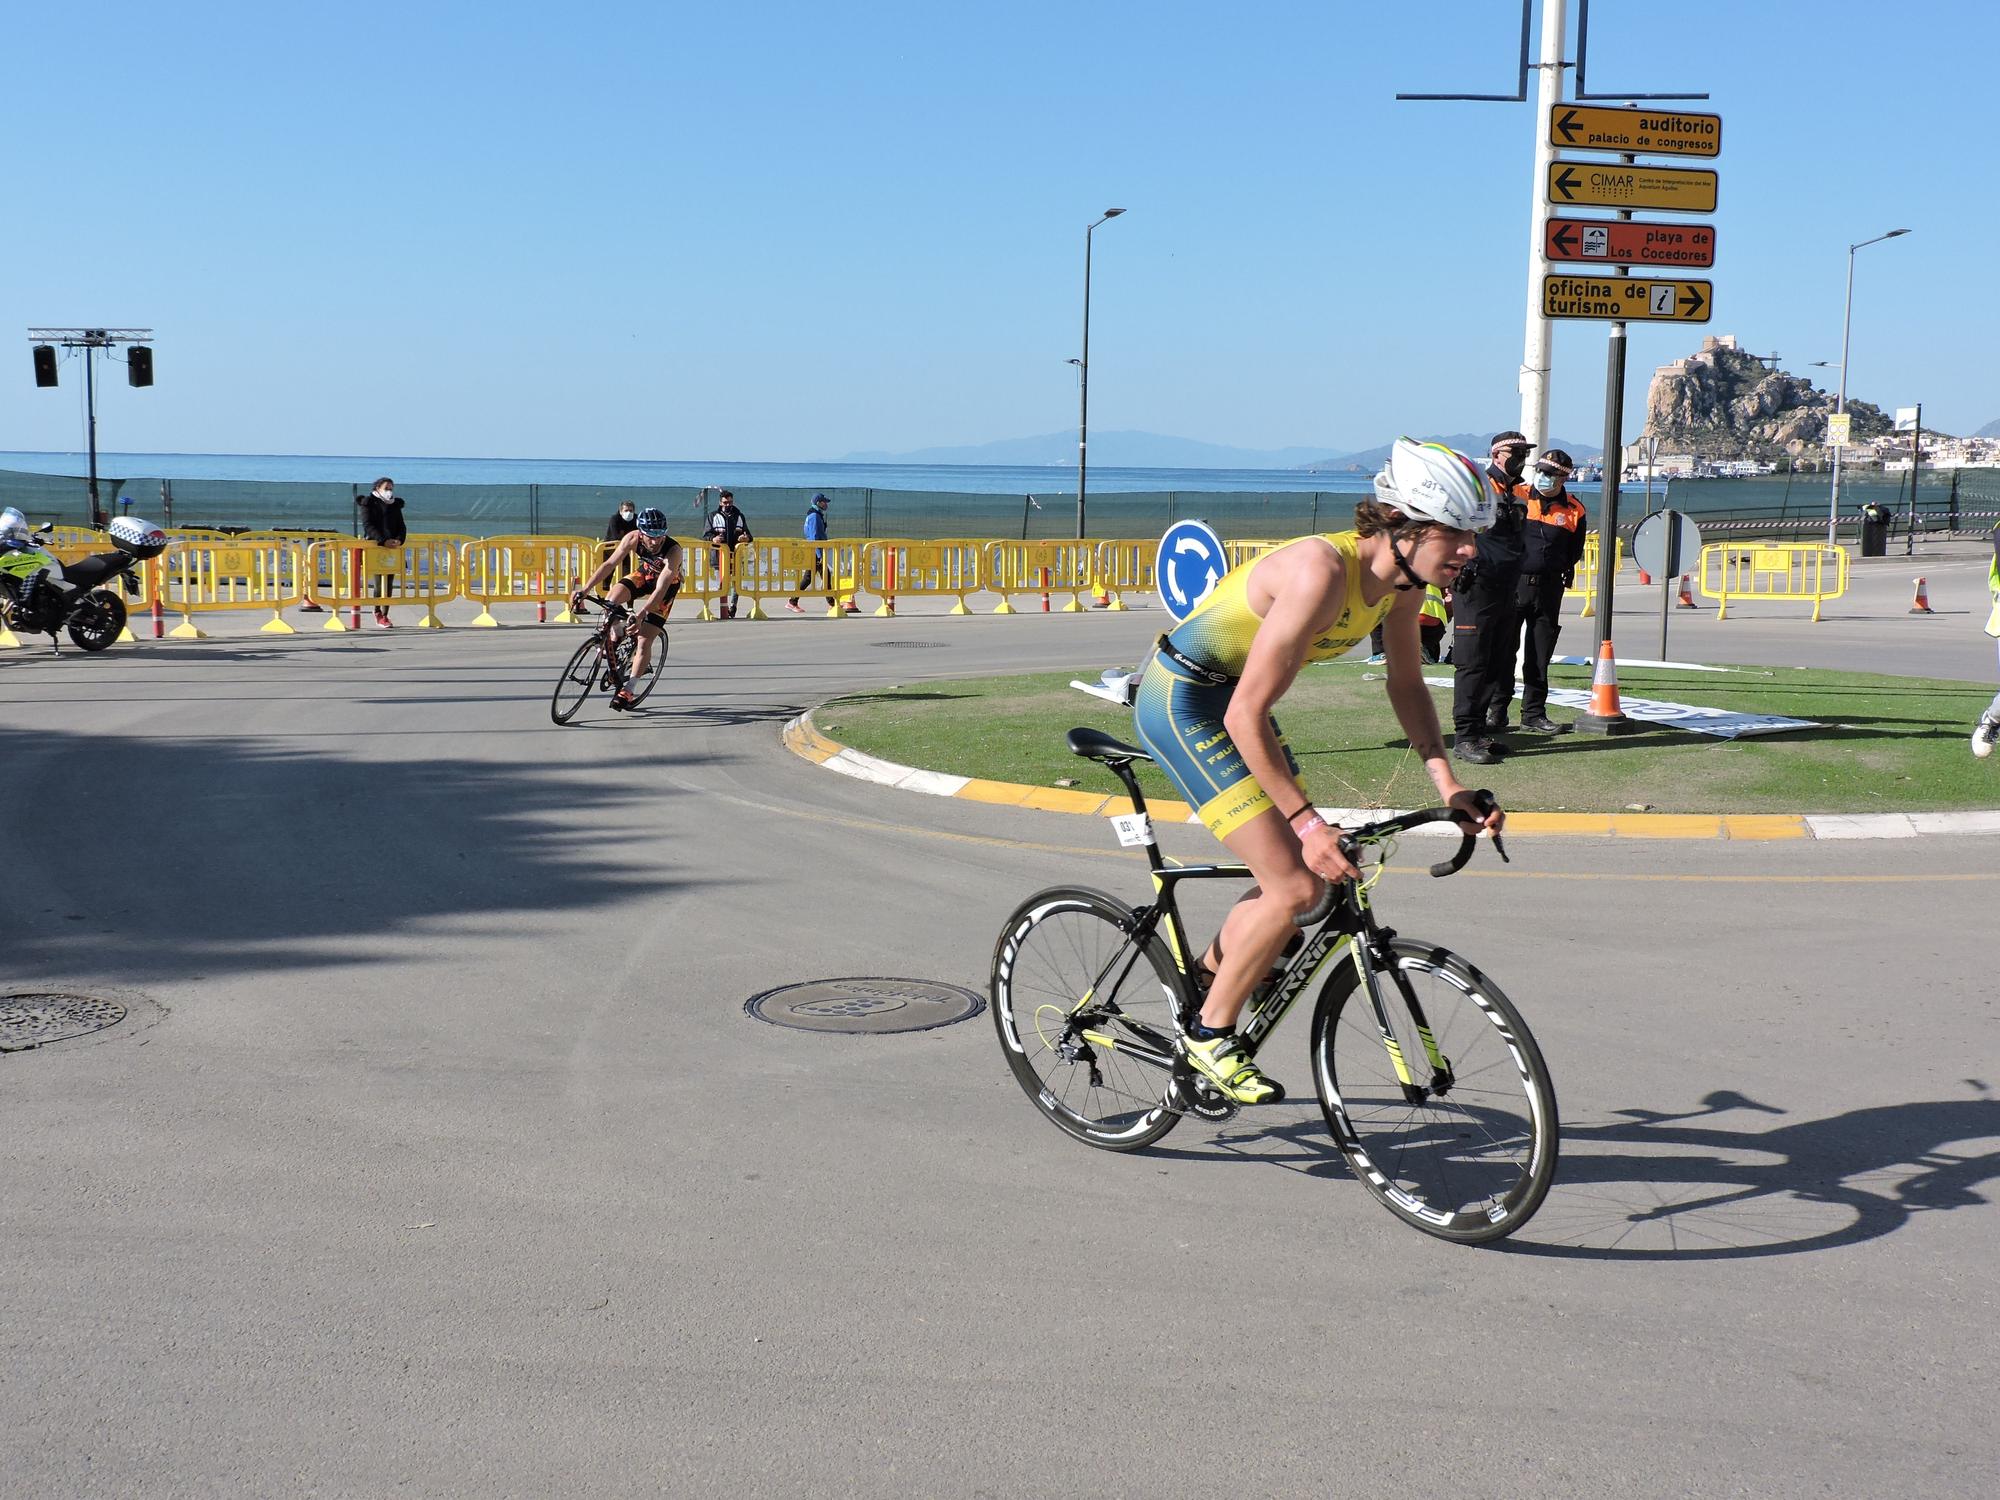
(1430,482)
(13,525)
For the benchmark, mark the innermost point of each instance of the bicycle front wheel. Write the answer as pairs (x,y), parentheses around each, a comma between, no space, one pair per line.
(641,687)
(575,683)
(1450,1117)
(1087,1021)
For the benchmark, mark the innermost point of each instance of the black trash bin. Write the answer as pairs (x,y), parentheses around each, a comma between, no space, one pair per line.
(1874,531)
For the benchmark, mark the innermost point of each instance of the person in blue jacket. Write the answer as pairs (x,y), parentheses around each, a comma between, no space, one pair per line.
(815,531)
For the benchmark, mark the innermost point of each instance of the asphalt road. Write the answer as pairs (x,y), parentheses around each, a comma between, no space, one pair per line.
(442,1158)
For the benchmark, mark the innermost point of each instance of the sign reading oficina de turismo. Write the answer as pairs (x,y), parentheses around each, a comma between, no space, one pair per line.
(1190,562)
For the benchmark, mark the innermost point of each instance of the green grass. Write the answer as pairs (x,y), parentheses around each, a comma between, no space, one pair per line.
(1889,744)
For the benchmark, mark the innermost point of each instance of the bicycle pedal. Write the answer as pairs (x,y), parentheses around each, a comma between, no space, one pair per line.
(1191,1094)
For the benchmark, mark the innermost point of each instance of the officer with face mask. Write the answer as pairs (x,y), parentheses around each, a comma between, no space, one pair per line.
(624,521)
(1551,546)
(1484,623)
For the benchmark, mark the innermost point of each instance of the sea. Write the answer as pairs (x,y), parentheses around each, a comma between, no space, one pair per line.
(975,479)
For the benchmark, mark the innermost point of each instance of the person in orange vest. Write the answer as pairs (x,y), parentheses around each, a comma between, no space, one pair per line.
(1551,547)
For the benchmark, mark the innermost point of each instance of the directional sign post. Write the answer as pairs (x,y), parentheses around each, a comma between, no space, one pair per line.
(1596,184)
(1630,242)
(1623,299)
(1646,132)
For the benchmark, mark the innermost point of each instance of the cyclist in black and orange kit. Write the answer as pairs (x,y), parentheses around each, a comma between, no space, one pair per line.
(653,559)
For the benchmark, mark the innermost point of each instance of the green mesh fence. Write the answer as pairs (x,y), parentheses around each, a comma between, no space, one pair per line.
(550,509)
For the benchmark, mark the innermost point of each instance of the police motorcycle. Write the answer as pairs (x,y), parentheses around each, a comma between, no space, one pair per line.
(42,596)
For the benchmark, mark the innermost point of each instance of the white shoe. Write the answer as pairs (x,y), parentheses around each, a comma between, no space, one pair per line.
(1985,735)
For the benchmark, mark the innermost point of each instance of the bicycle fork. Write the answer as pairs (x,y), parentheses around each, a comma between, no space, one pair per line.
(1374,948)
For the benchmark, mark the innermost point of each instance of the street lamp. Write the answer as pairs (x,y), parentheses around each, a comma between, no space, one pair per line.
(1840,401)
(1083,372)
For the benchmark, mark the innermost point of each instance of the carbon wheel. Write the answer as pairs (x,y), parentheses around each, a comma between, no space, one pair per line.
(1464,1151)
(95,622)
(1094,1053)
(575,683)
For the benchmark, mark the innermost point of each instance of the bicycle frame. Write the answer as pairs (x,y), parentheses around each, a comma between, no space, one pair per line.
(1351,918)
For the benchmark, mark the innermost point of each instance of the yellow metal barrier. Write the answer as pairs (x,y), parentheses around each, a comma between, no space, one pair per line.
(1241,552)
(707,574)
(774,570)
(946,568)
(1585,587)
(238,573)
(1125,567)
(1043,568)
(1772,570)
(346,574)
(538,570)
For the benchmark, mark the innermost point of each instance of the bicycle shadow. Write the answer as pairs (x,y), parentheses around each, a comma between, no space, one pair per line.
(1651,1185)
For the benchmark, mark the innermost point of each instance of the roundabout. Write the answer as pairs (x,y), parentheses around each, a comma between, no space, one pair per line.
(452,1052)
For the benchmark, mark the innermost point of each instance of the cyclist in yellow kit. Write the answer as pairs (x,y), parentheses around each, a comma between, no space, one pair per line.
(1204,711)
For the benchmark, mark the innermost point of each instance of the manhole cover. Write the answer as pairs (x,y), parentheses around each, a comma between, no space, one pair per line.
(866,1007)
(38,1018)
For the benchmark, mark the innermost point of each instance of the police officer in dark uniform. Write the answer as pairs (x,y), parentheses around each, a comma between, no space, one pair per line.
(1485,621)
(1552,546)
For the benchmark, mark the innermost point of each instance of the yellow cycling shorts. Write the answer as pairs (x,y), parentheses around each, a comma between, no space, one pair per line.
(1179,721)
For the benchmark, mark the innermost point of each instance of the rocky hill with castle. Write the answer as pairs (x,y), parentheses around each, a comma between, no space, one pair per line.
(1724,403)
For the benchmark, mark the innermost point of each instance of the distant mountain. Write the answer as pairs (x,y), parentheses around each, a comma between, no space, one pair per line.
(1991,429)
(1121,450)
(1475,443)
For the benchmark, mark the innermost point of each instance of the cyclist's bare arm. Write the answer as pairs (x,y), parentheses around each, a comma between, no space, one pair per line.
(1403,645)
(610,564)
(1306,587)
(670,577)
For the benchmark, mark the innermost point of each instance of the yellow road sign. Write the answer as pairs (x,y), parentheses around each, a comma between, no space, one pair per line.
(1648,132)
(1685,190)
(1627,299)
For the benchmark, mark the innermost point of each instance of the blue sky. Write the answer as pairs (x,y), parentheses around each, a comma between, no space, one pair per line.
(786,231)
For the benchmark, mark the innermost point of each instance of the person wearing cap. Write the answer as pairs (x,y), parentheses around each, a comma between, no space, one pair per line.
(1551,547)
(815,531)
(1484,623)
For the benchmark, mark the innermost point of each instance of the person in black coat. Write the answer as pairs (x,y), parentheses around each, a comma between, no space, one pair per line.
(624,521)
(1485,622)
(382,524)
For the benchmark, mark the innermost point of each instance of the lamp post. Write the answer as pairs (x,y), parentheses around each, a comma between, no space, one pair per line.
(1083,372)
(1840,401)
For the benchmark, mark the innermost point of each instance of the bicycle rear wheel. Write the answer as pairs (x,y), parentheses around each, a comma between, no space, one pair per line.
(575,683)
(1087,1023)
(641,687)
(1466,1148)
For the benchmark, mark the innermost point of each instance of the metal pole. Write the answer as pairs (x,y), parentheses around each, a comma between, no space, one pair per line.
(1607,521)
(1083,386)
(1535,346)
(1916,458)
(1840,401)
(90,404)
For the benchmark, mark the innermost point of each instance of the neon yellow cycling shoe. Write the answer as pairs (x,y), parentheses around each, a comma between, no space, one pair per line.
(1223,1061)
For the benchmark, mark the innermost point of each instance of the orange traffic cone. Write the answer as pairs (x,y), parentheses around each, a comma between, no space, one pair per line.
(1687,595)
(1921,605)
(1644,577)
(1606,716)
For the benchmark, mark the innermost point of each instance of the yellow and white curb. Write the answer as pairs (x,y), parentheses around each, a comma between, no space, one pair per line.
(803,740)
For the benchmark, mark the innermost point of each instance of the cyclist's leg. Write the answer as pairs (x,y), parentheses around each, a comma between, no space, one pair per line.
(619,593)
(644,633)
(1258,928)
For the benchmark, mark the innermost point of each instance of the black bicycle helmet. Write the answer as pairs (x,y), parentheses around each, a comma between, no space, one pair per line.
(653,521)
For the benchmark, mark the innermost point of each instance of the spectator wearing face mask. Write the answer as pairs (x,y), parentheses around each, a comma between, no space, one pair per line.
(1483,624)
(624,521)
(1551,546)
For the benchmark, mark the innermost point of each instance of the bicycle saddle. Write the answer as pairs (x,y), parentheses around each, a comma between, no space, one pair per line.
(1096,745)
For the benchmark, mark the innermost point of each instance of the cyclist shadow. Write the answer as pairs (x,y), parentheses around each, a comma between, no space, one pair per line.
(1647,1185)
(1650,1185)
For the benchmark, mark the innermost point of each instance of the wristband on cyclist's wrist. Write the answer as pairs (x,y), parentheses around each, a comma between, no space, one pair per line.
(1313,819)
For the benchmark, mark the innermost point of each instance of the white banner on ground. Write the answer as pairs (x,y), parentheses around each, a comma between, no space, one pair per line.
(1722,723)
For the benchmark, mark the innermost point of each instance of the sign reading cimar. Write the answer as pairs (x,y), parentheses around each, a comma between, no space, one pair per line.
(1626,299)
(1647,132)
(1686,190)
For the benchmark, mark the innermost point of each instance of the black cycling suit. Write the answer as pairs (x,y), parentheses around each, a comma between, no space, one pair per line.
(645,575)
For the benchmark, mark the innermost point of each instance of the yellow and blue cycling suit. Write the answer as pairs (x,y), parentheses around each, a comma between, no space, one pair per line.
(1178,713)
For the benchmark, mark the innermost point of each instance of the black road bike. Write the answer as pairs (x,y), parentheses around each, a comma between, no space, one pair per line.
(1435,1091)
(605,660)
